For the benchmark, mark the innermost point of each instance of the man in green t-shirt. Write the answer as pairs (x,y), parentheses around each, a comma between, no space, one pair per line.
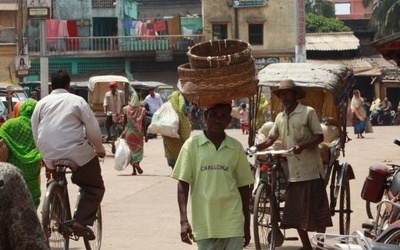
(215,168)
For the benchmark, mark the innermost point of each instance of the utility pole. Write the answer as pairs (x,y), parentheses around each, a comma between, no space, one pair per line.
(20,32)
(300,48)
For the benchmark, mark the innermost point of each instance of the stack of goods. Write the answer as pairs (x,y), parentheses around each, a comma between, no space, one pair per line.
(218,71)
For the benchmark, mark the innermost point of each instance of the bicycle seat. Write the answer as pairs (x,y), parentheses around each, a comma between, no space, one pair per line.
(67,163)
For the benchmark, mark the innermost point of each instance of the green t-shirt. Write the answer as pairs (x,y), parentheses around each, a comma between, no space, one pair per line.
(214,177)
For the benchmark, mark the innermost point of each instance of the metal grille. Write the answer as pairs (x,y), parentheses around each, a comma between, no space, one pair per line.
(85,67)
(35,67)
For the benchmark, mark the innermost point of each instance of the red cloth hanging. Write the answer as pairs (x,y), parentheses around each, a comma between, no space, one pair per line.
(72,44)
(159,26)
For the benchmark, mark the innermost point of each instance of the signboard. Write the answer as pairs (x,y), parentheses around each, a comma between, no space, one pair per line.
(39,13)
(38,9)
(248,3)
(164,56)
(22,65)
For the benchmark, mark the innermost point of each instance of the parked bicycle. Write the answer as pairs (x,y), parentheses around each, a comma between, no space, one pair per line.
(355,241)
(382,186)
(56,211)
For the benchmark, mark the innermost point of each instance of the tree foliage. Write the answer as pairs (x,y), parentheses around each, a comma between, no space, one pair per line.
(324,8)
(385,17)
(319,24)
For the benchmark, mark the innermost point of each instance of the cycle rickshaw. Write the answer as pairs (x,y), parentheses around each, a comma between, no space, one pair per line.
(98,86)
(327,87)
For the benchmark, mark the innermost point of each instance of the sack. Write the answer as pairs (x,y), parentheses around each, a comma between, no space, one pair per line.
(165,121)
(368,127)
(122,155)
(4,151)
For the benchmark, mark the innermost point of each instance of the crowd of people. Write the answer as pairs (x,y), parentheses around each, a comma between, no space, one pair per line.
(63,126)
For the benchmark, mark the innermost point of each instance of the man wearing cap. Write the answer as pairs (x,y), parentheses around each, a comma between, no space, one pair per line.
(298,126)
(114,101)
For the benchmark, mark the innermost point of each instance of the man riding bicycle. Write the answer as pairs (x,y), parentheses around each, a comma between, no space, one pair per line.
(114,101)
(64,127)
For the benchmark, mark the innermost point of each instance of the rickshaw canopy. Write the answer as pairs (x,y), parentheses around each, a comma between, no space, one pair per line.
(327,89)
(326,85)
(98,87)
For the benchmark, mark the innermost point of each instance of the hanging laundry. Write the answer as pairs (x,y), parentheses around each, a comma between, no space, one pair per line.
(52,30)
(62,33)
(139,28)
(160,26)
(72,44)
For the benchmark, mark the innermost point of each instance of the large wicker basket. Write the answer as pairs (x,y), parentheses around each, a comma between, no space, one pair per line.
(208,98)
(4,152)
(216,79)
(218,53)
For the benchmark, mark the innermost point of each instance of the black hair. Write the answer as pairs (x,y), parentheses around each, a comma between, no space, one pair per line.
(225,105)
(60,79)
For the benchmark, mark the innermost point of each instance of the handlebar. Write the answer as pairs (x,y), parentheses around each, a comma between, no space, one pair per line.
(251,151)
(397,142)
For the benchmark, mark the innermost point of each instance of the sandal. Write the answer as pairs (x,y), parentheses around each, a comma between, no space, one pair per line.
(82,231)
(138,168)
(134,170)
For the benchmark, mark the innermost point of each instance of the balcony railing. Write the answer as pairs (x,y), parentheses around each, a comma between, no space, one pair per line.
(108,44)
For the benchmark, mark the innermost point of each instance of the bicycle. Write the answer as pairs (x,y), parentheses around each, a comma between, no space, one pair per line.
(56,211)
(115,129)
(269,193)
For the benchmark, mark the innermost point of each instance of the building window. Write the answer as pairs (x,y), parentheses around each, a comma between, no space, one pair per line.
(220,31)
(342,9)
(256,34)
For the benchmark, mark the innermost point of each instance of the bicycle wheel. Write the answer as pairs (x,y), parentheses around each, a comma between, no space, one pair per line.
(393,237)
(275,237)
(262,216)
(97,230)
(333,191)
(344,204)
(55,212)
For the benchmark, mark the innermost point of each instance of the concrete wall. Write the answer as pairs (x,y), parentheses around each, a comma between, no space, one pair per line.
(8,49)
(278,18)
(7,66)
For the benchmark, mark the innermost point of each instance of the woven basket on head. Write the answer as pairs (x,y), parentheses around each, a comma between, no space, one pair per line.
(218,53)
(4,152)
(215,79)
(208,98)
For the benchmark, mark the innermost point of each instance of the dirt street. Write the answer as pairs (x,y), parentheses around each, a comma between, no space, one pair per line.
(141,212)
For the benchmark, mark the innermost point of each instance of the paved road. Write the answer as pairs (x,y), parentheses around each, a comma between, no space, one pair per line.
(141,212)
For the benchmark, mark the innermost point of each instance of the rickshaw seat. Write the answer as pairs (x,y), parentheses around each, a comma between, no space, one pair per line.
(331,133)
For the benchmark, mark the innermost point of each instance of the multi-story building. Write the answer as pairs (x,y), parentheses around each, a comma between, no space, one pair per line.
(102,36)
(8,41)
(269,26)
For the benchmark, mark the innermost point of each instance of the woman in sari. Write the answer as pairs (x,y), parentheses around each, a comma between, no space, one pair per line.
(172,146)
(359,114)
(17,133)
(134,124)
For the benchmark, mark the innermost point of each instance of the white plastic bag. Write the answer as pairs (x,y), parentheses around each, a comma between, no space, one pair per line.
(122,155)
(165,121)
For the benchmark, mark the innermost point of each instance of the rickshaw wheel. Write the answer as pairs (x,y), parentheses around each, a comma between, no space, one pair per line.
(345,209)
(262,222)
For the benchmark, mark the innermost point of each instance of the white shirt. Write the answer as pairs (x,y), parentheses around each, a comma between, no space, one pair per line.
(64,127)
(153,102)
